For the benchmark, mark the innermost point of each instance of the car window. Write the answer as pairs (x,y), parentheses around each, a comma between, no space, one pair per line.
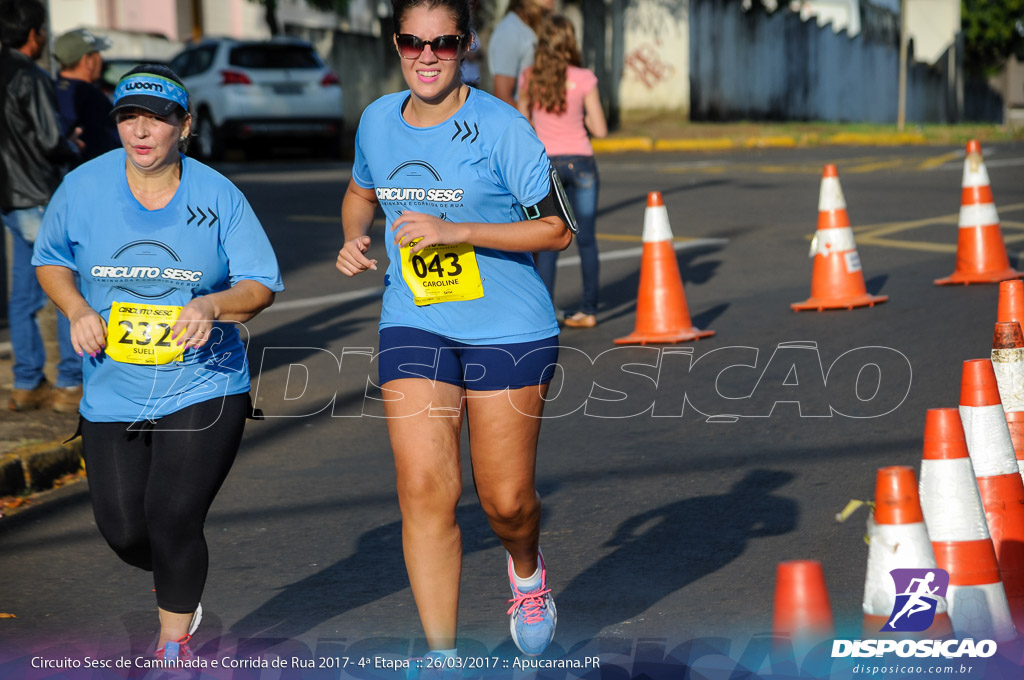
(202,59)
(274,56)
(182,63)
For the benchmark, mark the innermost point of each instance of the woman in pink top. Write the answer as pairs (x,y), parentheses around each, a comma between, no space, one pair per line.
(561,101)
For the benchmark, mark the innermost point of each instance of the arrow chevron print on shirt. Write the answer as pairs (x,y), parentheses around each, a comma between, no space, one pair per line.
(201,216)
(465,130)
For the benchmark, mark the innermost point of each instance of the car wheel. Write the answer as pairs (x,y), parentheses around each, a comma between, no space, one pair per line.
(209,141)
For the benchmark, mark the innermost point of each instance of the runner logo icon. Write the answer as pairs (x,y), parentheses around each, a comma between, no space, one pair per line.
(918,592)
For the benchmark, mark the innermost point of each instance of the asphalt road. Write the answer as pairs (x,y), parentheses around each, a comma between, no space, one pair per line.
(662,522)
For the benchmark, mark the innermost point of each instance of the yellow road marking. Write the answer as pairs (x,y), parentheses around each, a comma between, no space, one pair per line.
(908,245)
(874,167)
(935,162)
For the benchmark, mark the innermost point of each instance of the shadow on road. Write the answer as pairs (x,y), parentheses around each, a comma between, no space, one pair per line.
(664,550)
(376,570)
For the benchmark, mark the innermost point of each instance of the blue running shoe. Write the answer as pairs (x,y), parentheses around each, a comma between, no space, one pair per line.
(174,652)
(533,614)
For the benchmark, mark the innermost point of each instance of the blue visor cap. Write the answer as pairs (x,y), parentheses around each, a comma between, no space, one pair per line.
(153,93)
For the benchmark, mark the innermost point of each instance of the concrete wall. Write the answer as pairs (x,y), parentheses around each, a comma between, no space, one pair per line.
(933,25)
(655,74)
(754,65)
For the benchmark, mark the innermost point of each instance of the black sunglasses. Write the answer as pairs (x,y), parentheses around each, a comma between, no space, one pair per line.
(444,47)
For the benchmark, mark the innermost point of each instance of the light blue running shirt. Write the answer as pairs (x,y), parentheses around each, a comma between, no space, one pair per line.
(481,165)
(203,241)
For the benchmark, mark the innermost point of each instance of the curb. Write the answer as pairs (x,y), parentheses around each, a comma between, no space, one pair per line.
(622,144)
(37,466)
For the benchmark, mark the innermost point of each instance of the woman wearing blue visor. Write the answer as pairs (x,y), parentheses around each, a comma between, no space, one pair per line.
(170,257)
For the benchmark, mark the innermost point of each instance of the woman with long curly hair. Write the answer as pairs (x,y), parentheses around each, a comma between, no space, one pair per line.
(512,44)
(561,99)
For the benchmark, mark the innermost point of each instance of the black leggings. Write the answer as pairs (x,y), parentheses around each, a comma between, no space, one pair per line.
(151,490)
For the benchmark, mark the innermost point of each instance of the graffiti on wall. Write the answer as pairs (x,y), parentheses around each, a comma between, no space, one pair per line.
(646,64)
(659,27)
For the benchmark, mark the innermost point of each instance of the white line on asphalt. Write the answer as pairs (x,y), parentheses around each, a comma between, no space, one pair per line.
(364,293)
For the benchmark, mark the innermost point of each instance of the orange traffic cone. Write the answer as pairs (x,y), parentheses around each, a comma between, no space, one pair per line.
(1011,301)
(999,479)
(662,315)
(802,610)
(980,251)
(1008,363)
(897,539)
(837,281)
(959,533)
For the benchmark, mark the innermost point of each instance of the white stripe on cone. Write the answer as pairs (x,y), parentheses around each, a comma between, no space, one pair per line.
(978,215)
(894,546)
(830,195)
(1008,365)
(981,612)
(988,440)
(656,226)
(831,241)
(951,502)
(975,172)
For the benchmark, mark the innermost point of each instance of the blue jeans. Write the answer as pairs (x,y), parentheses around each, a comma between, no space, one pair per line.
(581,182)
(27,298)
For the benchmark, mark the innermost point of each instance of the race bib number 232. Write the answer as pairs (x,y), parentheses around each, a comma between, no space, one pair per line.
(141,334)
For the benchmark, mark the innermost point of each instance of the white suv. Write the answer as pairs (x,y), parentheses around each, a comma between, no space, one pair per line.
(241,90)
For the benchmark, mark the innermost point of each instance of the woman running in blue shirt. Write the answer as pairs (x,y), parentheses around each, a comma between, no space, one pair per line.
(166,378)
(467,329)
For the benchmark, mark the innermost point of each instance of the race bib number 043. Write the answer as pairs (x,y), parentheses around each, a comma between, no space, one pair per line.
(141,334)
(442,273)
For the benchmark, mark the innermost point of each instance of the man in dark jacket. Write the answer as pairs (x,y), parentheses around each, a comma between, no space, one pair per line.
(33,153)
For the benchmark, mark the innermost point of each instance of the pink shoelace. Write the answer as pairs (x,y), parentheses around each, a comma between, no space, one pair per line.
(532,603)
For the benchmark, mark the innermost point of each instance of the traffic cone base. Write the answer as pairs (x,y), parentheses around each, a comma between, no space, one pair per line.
(821,304)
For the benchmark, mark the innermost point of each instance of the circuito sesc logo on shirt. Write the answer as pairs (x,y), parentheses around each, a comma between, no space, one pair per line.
(141,268)
(918,592)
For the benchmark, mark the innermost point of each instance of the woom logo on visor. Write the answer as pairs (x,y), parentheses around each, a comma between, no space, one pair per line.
(153,86)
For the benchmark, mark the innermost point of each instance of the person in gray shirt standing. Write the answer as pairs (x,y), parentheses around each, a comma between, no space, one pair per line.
(511,47)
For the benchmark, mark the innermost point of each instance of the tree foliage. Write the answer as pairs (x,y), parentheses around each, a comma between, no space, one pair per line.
(993,31)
